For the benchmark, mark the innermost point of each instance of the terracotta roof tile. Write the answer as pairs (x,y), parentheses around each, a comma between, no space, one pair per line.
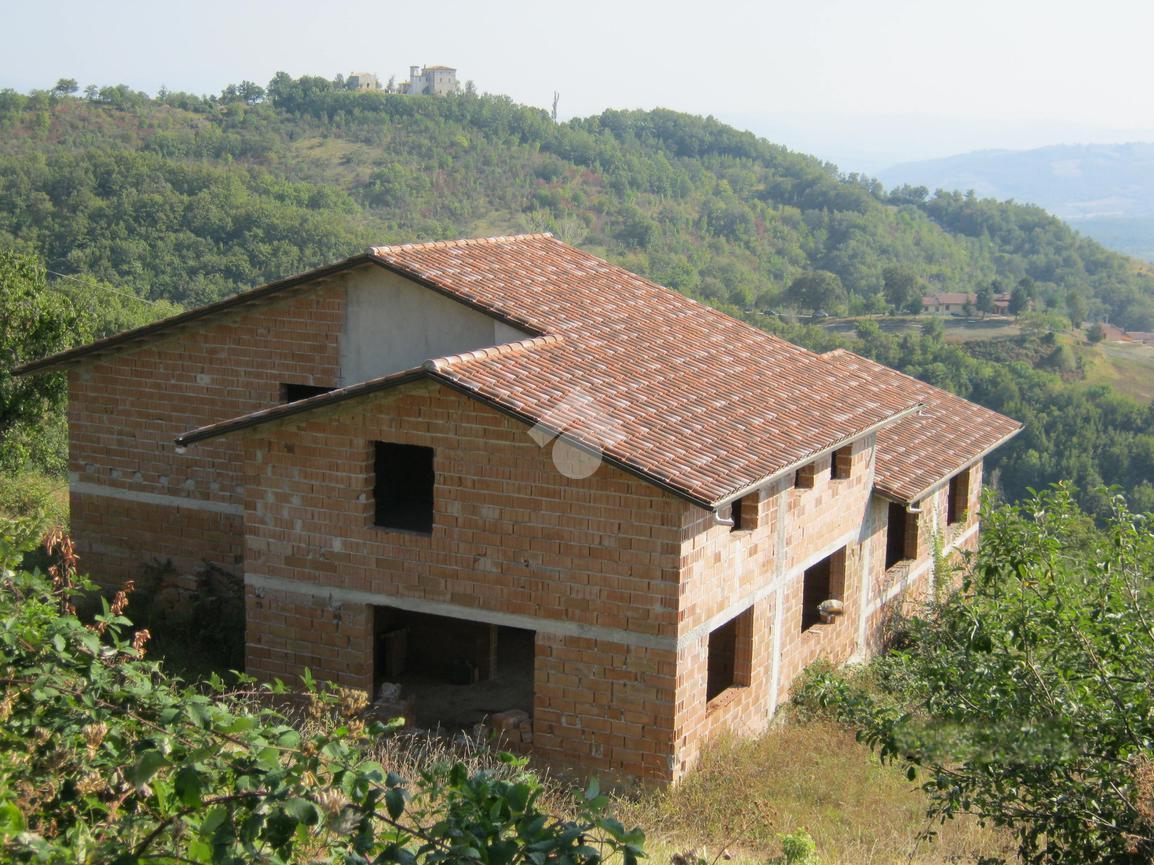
(658,381)
(666,387)
(921,450)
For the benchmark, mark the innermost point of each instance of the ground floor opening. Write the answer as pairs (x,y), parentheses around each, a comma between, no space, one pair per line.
(452,673)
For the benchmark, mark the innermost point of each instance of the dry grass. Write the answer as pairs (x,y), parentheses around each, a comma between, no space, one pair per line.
(958,329)
(742,797)
(746,793)
(811,776)
(410,753)
(1127,367)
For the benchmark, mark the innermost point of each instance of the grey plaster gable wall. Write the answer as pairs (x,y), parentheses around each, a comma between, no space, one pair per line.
(392,324)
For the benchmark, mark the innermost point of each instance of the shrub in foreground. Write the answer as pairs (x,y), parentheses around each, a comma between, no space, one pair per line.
(105,759)
(1025,698)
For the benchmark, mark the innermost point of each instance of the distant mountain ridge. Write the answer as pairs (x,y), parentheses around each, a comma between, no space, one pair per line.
(1104,190)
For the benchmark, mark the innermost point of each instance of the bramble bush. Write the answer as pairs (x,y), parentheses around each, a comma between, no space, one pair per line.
(106,759)
(1025,697)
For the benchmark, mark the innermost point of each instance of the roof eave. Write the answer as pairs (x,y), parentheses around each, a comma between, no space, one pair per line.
(427,371)
(628,468)
(897,498)
(797,464)
(299,407)
(120,339)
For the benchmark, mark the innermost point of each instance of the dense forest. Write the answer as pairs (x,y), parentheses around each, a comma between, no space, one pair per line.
(182,199)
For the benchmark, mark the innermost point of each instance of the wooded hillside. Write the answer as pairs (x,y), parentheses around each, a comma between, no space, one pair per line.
(190,198)
(186,199)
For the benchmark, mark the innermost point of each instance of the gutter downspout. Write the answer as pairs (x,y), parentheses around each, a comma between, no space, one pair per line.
(722,521)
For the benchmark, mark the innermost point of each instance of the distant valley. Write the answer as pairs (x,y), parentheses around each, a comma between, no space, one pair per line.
(1105,191)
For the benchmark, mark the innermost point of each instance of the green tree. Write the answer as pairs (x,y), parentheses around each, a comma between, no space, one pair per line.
(1024,697)
(984,299)
(1076,308)
(1019,299)
(907,194)
(903,289)
(34,321)
(65,87)
(817,290)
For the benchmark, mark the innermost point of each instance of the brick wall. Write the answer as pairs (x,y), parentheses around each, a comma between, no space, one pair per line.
(336,633)
(909,584)
(761,569)
(590,565)
(622,583)
(134,498)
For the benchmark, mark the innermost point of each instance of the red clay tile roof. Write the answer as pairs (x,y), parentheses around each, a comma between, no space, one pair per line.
(666,387)
(923,449)
(669,389)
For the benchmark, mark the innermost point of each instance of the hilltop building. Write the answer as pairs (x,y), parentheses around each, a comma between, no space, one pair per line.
(362,81)
(509,475)
(430,81)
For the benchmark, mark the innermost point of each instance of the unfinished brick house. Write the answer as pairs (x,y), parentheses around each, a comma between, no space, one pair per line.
(508,474)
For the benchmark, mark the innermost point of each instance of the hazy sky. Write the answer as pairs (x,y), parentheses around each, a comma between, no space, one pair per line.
(864,83)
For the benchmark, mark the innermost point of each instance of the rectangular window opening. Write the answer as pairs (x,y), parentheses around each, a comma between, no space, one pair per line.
(291,392)
(805,476)
(403,487)
(958,498)
(743,512)
(824,581)
(444,671)
(730,656)
(896,530)
(841,463)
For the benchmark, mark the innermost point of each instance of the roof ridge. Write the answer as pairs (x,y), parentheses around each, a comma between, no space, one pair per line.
(444,364)
(449,244)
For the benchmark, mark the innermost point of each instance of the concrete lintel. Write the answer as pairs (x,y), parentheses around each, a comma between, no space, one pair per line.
(916,573)
(737,607)
(459,611)
(88,489)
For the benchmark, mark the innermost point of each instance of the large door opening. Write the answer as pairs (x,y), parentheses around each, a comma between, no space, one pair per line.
(455,672)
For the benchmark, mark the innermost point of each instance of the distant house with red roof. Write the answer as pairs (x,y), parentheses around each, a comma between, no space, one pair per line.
(514,478)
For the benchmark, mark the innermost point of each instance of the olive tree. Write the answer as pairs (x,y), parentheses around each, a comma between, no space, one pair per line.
(817,290)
